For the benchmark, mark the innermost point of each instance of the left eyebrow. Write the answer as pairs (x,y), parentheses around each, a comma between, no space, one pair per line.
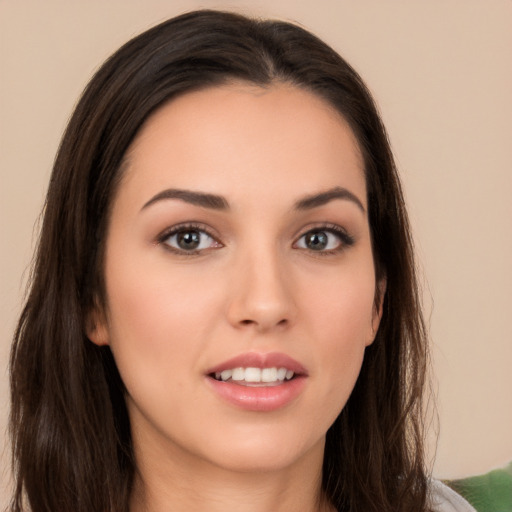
(316,200)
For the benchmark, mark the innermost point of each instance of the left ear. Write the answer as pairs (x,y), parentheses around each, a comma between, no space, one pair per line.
(380,292)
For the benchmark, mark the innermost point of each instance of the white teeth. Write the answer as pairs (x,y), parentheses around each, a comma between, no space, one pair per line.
(255,375)
(225,375)
(238,374)
(269,374)
(252,375)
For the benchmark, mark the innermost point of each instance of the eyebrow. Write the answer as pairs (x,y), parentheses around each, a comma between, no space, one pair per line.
(316,200)
(212,201)
(217,202)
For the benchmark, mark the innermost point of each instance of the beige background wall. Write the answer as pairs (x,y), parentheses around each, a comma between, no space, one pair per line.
(441,73)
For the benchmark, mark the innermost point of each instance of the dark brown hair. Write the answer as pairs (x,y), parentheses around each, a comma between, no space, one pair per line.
(70,429)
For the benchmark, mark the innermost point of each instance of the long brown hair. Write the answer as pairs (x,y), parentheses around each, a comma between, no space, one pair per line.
(70,429)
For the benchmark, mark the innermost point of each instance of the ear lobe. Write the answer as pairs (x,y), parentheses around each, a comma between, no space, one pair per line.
(378,308)
(96,328)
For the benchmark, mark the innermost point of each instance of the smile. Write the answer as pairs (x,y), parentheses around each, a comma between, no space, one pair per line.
(255,376)
(258,382)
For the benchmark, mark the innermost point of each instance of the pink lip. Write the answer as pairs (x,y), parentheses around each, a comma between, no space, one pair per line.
(258,360)
(259,398)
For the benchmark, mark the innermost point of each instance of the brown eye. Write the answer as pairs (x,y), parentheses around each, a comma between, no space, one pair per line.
(326,239)
(316,240)
(190,240)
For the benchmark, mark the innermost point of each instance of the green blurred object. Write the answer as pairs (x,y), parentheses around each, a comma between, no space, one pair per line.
(491,492)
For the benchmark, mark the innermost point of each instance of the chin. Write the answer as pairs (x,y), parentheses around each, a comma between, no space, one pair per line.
(259,453)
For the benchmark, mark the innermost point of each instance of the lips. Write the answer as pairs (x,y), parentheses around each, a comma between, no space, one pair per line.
(258,382)
(257,360)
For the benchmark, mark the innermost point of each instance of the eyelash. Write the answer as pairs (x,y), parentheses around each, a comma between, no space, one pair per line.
(184,228)
(345,240)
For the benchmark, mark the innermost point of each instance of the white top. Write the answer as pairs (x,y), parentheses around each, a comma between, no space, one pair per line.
(445,499)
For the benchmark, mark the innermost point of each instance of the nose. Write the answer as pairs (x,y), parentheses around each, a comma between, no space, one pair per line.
(261,295)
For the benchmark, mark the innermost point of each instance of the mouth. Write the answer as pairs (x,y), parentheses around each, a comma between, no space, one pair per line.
(258,382)
(256,377)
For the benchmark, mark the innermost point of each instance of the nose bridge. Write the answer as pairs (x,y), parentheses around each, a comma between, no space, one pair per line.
(261,289)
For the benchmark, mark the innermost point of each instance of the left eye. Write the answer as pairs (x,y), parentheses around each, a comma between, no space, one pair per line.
(319,240)
(190,240)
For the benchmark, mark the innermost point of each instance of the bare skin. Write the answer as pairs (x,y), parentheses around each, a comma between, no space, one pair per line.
(239,228)
(212,488)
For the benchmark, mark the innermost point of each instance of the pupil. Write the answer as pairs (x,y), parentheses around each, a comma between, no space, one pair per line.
(188,240)
(317,240)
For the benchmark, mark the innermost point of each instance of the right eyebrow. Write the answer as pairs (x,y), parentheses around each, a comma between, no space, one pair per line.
(202,199)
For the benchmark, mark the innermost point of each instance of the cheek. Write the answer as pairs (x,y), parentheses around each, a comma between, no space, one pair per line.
(342,307)
(341,317)
(157,323)
(149,297)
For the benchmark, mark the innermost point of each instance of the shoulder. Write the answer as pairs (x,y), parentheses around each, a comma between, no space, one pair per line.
(444,499)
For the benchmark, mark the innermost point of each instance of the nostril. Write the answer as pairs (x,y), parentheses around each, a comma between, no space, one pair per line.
(281,322)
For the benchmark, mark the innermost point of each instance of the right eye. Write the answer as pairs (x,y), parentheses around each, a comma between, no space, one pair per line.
(191,240)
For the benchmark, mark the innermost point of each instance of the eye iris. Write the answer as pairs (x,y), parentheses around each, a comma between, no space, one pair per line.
(316,240)
(188,240)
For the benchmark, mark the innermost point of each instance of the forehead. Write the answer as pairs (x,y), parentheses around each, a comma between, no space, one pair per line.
(239,135)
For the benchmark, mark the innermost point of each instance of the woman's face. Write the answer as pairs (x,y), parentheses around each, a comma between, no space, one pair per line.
(239,277)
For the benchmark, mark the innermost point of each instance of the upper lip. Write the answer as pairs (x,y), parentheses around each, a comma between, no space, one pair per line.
(260,360)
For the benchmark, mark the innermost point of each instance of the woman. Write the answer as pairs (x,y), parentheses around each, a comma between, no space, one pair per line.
(224,309)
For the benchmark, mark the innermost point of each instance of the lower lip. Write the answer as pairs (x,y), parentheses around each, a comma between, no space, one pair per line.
(259,398)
